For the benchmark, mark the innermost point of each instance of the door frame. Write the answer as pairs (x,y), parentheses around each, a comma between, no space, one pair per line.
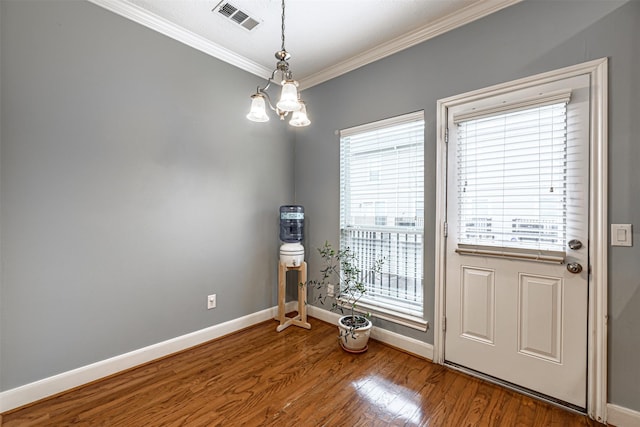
(598,205)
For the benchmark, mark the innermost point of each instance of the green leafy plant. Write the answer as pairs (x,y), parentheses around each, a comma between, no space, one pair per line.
(340,273)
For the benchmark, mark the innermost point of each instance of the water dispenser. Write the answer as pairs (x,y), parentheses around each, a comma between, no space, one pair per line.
(291,234)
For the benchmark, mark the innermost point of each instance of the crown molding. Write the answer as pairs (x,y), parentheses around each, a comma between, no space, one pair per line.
(452,21)
(144,17)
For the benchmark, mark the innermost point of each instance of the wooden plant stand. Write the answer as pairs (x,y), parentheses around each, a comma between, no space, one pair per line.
(301,318)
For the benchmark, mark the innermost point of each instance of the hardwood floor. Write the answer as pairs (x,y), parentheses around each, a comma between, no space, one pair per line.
(297,377)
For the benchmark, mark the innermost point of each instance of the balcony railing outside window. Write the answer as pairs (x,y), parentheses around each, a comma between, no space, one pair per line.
(400,283)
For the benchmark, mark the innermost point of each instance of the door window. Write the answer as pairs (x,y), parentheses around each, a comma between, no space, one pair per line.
(512,178)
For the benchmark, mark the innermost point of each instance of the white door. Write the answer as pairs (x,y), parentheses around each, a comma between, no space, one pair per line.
(517,223)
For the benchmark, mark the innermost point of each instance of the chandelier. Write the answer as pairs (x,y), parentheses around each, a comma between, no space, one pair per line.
(289,102)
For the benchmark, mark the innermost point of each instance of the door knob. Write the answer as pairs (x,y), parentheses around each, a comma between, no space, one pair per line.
(574,267)
(575,244)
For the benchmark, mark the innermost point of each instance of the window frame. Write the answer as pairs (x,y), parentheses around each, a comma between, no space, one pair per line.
(407,315)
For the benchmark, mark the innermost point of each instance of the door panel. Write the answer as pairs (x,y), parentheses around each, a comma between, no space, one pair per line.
(539,317)
(477,319)
(523,321)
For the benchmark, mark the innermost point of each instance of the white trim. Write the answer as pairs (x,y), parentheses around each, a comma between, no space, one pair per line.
(416,116)
(391,314)
(541,100)
(447,23)
(150,20)
(468,14)
(29,393)
(622,417)
(473,250)
(598,285)
(440,244)
(410,345)
(598,238)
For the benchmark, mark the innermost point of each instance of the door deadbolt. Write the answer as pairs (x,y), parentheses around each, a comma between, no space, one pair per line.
(575,244)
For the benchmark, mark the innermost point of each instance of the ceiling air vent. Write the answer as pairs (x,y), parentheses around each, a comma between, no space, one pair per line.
(236,15)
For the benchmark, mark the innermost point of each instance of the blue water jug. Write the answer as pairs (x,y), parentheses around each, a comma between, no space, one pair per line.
(291,223)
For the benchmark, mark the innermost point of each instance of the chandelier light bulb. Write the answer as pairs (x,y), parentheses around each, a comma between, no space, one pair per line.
(289,96)
(299,118)
(258,111)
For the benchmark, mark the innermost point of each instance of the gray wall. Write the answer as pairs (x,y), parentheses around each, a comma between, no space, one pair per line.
(132,186)
(528,38)
(125,154)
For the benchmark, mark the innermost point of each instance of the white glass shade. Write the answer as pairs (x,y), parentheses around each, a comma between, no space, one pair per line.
(258,112)
(289,97)
(299,118)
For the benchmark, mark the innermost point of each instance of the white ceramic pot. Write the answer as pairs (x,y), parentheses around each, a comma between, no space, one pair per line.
(354,341)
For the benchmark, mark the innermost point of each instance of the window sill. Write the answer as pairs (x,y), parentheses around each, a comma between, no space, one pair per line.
(410,320)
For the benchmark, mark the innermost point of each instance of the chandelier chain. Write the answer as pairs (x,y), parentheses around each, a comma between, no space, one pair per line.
(283,26)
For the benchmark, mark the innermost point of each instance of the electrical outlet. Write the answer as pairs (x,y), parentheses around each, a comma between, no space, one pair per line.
(211,301)
(330,290)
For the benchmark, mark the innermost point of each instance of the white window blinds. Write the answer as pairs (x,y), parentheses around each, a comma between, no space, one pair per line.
(382,170)
(512,177)
(382,207)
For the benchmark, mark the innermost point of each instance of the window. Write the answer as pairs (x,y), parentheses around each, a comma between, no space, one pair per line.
(512,177)
(382,212)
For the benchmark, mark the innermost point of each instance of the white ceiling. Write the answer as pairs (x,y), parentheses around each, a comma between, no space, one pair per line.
(326,38)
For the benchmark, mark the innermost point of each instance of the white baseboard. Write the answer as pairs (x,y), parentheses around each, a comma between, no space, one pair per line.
(622,417)
(410,345)
(28,393)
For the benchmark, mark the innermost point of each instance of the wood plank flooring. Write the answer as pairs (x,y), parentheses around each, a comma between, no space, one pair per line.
(297,377)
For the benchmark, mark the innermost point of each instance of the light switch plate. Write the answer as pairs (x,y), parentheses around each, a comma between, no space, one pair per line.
(621,235)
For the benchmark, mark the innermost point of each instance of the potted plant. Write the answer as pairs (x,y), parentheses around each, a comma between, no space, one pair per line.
(343,282)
